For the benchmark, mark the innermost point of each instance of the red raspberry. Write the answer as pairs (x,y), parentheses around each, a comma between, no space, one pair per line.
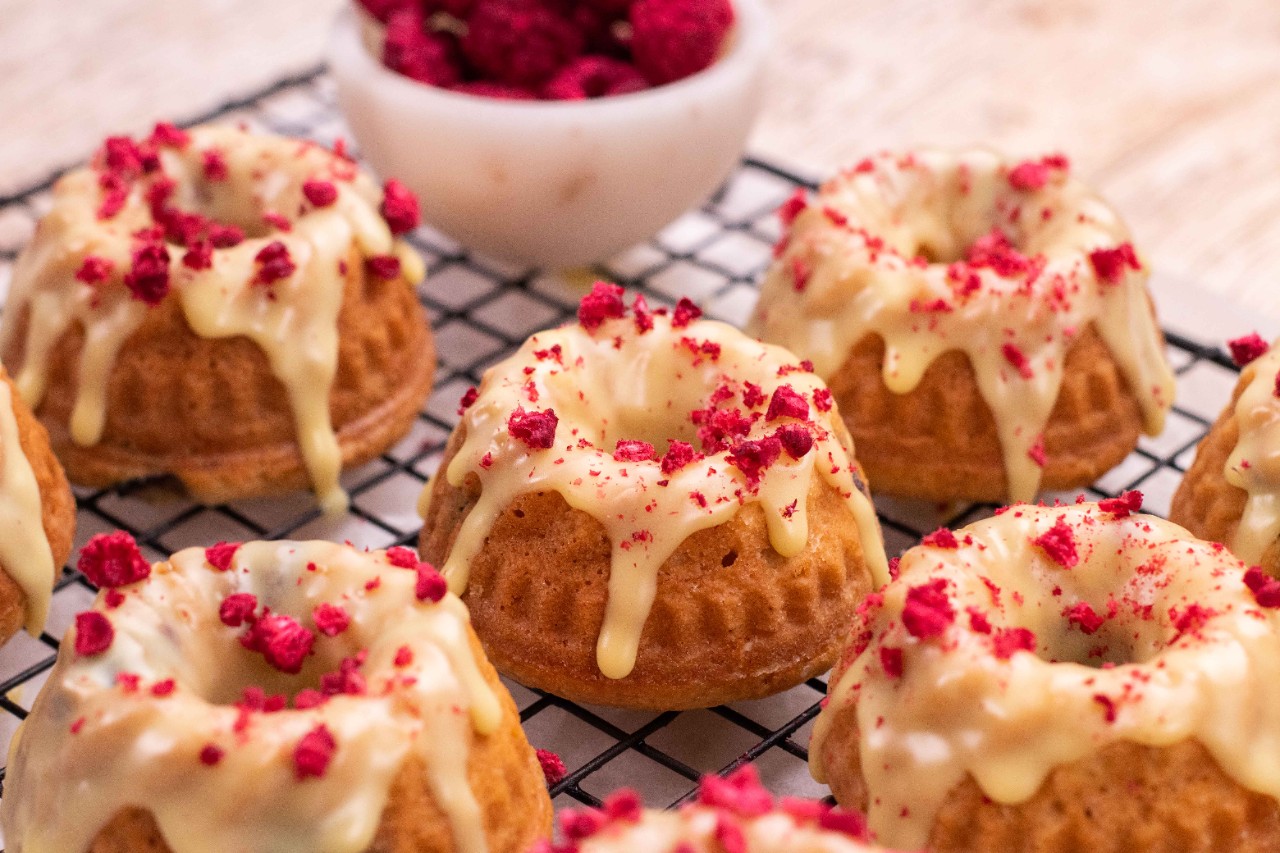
(419,54)
(457,8)
(593,77)
(384,9)
(485,89)
(519,42)
(672,39)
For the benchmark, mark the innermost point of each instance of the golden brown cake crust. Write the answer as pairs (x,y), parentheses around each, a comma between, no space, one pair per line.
(503,773)
(57,504)
(939,441)
(1205,503)
(732,618)
(237,434)
(1124,798)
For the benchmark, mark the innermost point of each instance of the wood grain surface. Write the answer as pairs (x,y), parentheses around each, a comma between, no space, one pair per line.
(1170,107)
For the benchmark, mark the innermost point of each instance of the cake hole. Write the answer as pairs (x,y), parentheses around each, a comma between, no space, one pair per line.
(729,559)
(518,513)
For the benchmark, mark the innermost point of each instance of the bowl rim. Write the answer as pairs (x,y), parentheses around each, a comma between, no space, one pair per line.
(748,50)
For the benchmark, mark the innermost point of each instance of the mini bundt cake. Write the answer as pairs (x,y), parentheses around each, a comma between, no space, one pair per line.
(271,696)
(651,510)
(1062,679)
(1231,492)
(37,516)
(983,324)
(732,814)
(230,309)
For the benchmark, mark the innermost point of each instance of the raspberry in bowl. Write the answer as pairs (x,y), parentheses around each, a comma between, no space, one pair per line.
(552,132)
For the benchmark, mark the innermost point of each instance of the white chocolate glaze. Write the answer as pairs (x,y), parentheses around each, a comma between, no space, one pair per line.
(882,242)
(692,829)
(617,384)
(293,321)
(1254,464)
(1143,676)
(93,744)
(24,547)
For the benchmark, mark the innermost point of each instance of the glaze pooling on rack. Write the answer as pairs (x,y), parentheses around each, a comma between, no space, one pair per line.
(292,319)
(94,742)
(887,248)
(615,383)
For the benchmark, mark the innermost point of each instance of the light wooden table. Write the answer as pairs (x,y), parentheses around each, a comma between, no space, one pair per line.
(1170,107)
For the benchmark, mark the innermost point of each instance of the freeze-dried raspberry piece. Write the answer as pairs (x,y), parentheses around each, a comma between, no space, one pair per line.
(468,400)
(148,276)
(121,155)
(787,403)
(94,633)
(170,135)
(793,206)
(94,269)
(753,458)
(237,609)
(672,39)
(385,267)
(928,611)
(1121,507)
(1110,264)
(740,793)
(593,77)
(796,439)
(519,42)
(553,768)
(313,753)
(331,620)
(113,560)
(1059,544)
(1247,348)
(1034,174)
(678,455)
(941,538)
(418,53)
(211,754)
(604,302)
(1006,641)
(994,250)
(536,429)
(215,165)
(488,89)
(274,263)
(1265,589)
(630,450)
(115,192)
(282,641)
(320,193)
(431,585)
(822,399)
(1084,617)
(220,555)
(199,256)
(399,207)
(685,313)
(225,236)
(402,557)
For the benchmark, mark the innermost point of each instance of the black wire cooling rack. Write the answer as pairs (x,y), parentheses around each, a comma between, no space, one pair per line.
(481,310)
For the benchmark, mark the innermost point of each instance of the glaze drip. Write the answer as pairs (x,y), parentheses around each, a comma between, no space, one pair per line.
(1176,648)
(616,383)
(292,318)
(1254,464)
(24,548)
(939,251)
(100,737)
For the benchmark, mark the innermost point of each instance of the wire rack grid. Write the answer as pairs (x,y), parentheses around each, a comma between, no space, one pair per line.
(481,310)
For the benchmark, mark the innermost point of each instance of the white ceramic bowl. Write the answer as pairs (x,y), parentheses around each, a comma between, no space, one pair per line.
(554,184)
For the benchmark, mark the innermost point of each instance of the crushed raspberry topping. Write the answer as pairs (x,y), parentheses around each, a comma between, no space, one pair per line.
(148,276)
(1018,359)
(1034,174)
(678,455)
(402,557)
(1110,264)
(225,236)
(995,251)
(215,165)
(1122,506)
(553,769)
(628,450)
(793,207)
(170,135)
(1190,619)
(94,269)
(347,680)
(729,835)
(112,560)
(1265,589)
(796,439)
(404,656)
(1108,706)
(535,429)
(941,538)
(320,193)
(399,207)
(385,267)
(431,585)
(115,192)
(164,687)
(211,754)
(94,633)
(199,256)
(787,403)
(1059,544)
(672,39)
(623,805)
(822,399)
(468,400)
(331,620)
(281,640)
(1246,349)
(739,793)
(753,458)
(891,661)
(928,611)
(121,155)
(220,555)
(1084,617)
(1006,641)
(686,312)
(274,263)
(577,824)
(237,609)
(604,302)
(313,753)
(1037,452)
